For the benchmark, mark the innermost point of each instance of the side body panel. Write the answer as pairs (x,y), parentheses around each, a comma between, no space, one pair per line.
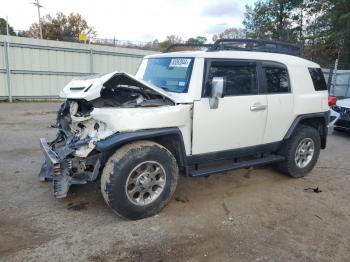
(306,99)
(232,125)
(279,117)
(284,109)
(136,119)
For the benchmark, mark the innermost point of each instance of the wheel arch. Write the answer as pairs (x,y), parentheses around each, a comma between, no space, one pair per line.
(319,121)
(171,138)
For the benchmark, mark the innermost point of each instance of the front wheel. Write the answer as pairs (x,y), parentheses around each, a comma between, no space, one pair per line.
(301,151)
(139,179)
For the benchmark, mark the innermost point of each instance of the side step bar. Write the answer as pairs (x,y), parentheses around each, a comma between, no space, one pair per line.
(233,166)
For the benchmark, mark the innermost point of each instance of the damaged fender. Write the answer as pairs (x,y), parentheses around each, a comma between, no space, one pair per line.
(100,112)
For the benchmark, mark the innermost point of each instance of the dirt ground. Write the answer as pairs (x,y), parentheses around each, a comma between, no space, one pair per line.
(246,215)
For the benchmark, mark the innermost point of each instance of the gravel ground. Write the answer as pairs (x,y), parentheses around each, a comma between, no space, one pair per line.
(246,215)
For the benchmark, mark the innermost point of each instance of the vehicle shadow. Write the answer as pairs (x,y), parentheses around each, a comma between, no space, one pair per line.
(340,133)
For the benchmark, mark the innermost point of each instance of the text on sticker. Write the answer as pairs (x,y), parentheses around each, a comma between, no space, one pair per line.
(180,62)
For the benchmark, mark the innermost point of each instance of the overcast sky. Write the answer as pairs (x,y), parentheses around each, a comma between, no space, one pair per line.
(137,20)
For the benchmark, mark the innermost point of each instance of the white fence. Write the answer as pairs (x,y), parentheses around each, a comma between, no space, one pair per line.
(34,68)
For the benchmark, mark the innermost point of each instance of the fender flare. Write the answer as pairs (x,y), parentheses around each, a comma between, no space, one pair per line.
(115,141)
(324,115)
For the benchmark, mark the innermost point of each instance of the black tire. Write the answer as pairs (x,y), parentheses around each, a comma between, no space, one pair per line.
(119,168)
(288,150)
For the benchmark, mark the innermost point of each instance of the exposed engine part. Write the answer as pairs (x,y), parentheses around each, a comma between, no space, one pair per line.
(70,158)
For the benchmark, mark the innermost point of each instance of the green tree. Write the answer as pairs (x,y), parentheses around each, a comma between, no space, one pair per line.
(61,27)
(274,19)
(197,41)
(170,39)
(339,30)
(327,32)
(230,33)
(3,30)
(322,26)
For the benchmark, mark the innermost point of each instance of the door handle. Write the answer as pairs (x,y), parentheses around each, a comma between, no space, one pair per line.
(258,107)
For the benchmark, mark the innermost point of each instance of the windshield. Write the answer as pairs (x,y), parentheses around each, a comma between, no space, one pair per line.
(170,73)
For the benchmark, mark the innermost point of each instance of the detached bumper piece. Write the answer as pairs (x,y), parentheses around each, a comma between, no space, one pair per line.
(51,165)
(55,170)
(61,168)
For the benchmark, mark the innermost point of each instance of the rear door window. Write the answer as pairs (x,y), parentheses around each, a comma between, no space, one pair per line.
(276,78)
(318,79)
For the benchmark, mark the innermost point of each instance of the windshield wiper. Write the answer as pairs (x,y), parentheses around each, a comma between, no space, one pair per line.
(170,90)
(166,89)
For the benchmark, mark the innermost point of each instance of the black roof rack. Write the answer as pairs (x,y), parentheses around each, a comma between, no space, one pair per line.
(258,45)
(199,46)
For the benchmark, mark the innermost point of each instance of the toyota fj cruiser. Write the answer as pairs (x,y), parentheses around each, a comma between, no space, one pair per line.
(238,104)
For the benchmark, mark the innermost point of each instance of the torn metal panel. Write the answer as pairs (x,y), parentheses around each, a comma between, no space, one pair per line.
(96,108)
(91,88)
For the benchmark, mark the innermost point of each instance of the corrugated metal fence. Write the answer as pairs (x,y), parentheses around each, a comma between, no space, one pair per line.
(35,68)
(341,87)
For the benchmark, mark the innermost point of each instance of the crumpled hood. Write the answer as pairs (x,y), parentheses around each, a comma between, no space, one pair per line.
(89,88)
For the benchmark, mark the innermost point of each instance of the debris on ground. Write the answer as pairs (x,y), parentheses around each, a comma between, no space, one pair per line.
(182,199)
(311,189)
(318,217)
(77,206)
(249,170)
(227,211)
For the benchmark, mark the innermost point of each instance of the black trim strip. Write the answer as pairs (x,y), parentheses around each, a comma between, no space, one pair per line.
(233,166)
(232,153)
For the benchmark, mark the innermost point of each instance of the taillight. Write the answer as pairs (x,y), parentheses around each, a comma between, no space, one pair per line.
(332,100)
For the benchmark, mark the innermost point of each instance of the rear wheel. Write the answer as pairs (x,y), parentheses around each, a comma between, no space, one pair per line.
(301,151)
(139,179)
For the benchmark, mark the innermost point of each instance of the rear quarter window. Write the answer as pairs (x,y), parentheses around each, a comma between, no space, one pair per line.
(318,79)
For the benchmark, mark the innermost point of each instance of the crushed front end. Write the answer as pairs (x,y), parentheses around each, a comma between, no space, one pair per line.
(96,108)
(70,158)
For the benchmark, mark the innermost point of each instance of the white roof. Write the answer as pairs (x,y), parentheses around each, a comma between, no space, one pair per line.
(282,58)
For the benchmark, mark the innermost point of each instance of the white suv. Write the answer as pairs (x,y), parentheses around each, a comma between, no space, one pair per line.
(241,103)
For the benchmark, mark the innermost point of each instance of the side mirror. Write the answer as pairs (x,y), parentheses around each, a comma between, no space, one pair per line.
(217,91)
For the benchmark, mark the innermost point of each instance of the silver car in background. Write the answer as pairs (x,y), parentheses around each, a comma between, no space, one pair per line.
(340,115)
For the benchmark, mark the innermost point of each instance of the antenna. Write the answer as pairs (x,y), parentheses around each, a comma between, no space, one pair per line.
(36,3)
